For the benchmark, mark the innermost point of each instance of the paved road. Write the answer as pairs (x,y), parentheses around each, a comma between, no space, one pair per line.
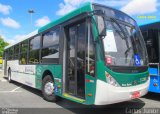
(1,74)
(17,96)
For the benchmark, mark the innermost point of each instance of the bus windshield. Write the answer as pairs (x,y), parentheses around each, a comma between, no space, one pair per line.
(123,44)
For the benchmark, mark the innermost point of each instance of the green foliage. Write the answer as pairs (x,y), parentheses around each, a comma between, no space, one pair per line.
(3,44)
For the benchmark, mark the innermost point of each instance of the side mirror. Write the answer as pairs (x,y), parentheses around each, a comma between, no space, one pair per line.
(101,26)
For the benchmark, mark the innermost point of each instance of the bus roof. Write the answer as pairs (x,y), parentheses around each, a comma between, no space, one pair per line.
(24,38)
(84,8)
(153,25)
(146,24)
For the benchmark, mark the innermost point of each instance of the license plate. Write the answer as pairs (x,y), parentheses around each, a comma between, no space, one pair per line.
(135,94)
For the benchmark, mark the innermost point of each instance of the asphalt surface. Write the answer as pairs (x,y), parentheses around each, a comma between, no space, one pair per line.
(18,98)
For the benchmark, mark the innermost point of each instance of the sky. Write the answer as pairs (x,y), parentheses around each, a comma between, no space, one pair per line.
(16,22)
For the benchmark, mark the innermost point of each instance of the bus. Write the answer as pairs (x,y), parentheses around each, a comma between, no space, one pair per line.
(1,61)
(94,55)
(151,34)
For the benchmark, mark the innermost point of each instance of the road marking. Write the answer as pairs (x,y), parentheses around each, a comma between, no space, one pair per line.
(12,91)
(16,89)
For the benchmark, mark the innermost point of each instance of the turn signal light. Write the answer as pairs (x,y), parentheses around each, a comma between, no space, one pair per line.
(89,94)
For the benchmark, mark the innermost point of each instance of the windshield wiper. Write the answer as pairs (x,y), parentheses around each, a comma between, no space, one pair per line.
(126,52)
(119,26)
(124,38)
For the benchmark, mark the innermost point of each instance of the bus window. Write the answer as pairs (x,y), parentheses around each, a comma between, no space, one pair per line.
(24,46)
(90,59)
(11,52)
(23,58)
(23,52)
(16,51)
(34,47)
(34,57)
(5,54)
(151,43)
(50,49)
(51,38)
(35,43)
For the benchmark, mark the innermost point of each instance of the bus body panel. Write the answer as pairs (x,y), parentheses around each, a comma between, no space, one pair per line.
(90,89)
(129,79)
(56,72)
(31,75)
(24,74)
(108,94)
(154,80)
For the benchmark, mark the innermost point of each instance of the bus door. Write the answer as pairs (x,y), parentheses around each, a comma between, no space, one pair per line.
(75,61)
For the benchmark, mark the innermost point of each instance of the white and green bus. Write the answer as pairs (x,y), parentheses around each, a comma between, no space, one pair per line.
(94,55)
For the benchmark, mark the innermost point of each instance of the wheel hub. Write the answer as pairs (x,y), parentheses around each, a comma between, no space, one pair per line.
(49,88)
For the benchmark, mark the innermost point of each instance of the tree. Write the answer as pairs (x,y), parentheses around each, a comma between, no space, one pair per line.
(3,44)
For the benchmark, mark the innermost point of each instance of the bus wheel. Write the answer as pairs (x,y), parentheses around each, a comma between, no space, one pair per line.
(9,76)
(48,89)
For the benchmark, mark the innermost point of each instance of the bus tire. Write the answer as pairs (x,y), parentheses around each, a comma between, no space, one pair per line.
(48,89)
(9,76)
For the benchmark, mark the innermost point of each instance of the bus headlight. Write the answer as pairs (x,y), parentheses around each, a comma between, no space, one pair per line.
(111,80)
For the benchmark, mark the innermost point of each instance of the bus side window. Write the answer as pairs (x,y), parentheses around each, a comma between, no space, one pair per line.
(23,52)
(10,56)
(151,43)
(90,54)
(50,47)
(16,52)
(4,54)
(34,49)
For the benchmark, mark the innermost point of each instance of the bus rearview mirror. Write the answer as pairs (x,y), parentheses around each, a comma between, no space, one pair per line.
(101,26)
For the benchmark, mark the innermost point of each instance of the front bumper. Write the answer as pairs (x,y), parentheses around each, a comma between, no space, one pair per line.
(108,94)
